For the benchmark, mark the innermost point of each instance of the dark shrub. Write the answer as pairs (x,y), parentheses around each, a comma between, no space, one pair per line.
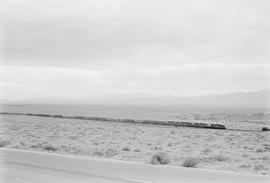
(190,162)
(126,149)
(50,148)
(39,145)
(3,143)
(219,158)
(259,150)
(265,129)
(98,153)
(160,158)
(137,150)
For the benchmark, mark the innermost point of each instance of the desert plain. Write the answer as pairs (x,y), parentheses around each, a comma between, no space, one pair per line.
(227,150)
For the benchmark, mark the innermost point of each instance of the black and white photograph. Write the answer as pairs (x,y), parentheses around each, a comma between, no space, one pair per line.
(134,91)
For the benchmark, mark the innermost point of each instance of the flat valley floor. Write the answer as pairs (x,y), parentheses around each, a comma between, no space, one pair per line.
(239,151)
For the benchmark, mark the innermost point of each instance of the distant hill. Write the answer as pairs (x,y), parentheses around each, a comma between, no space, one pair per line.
(256,98)
(236,99)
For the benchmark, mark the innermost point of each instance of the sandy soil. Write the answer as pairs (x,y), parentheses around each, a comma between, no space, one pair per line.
(214,149)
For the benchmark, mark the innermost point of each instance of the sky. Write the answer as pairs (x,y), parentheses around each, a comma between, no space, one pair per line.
(105,48)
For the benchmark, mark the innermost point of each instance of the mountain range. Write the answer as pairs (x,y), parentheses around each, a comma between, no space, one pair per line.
(254,98)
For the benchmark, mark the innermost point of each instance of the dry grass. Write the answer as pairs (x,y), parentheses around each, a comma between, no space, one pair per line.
(207,151)
(238,147)
(111,152)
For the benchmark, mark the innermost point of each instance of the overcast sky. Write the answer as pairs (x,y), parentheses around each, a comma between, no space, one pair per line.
(85,49)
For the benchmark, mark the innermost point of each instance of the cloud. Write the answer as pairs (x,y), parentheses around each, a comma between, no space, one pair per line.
(104,35)
(101,48)
(182,80)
